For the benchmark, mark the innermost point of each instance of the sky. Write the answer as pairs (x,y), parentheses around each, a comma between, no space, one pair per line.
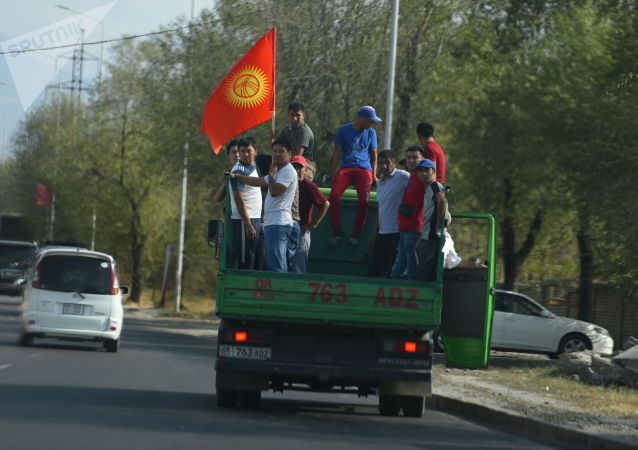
(24,77)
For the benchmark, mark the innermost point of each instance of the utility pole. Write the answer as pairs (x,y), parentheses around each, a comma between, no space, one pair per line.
(392,59)
(182,213)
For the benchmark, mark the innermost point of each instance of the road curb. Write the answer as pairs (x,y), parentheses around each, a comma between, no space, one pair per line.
(528,425)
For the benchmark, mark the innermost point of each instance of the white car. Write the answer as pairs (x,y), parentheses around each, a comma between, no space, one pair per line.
(522,325)
(74,294)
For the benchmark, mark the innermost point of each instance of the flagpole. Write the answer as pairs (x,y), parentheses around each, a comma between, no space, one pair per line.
(392,58)
(272,126)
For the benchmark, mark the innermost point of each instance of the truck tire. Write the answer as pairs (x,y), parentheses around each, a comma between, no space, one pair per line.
(227,398)
(389,405)
(249,398)
(413,406)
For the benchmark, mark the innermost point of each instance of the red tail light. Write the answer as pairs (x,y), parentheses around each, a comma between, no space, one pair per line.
(409,347)
(115,288)
(241,336)
(37,280)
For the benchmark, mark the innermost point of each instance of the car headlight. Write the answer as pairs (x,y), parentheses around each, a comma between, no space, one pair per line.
(600,330)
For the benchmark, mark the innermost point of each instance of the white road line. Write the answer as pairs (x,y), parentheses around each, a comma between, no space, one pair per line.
(5,366)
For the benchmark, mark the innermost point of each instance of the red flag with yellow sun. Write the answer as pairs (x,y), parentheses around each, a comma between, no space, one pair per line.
(246,95)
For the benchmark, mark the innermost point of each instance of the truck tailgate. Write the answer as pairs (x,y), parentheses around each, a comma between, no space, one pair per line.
(334,299)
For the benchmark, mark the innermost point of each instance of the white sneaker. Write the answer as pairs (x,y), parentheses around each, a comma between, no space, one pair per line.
(334,240)
(353,241)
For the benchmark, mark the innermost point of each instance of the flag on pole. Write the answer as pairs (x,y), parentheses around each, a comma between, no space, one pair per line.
(42,195)
(246,95)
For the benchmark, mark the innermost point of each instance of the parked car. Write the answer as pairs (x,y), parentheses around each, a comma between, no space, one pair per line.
(74,294)
(15,259)
(522,325)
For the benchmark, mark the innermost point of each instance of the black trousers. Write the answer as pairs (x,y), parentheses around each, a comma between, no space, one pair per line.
(383,254)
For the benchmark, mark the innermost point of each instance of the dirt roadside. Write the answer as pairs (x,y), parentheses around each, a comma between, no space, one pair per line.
(474,386)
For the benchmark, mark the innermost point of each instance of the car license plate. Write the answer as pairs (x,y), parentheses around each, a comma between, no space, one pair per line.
(241,352)
(73,309)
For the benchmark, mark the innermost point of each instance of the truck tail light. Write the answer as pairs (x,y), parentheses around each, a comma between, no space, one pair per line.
(401,346)
(246,336)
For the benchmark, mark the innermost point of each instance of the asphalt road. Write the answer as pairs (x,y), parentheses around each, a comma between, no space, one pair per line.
(157,393)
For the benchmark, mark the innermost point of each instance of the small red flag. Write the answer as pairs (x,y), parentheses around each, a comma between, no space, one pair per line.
(42,195)
(246,95)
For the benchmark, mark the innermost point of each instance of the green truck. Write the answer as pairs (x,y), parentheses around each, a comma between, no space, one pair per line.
(336,330)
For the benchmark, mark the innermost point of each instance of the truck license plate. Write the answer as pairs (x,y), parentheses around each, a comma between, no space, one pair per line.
(73,309)
(241,352)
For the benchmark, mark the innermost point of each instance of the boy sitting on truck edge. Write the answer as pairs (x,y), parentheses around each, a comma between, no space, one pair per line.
(246,206)
(410,219)
(434,210)
(282,184)
(390,189)
(309,196)
(354,161)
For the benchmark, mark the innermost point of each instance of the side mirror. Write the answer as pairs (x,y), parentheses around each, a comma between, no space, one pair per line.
(215,233)
(22,282)
(124,290)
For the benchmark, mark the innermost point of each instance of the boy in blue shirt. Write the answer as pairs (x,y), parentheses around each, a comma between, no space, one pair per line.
(354,162)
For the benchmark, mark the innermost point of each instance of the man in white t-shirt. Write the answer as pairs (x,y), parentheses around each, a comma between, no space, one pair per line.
(246,205)
(282,185)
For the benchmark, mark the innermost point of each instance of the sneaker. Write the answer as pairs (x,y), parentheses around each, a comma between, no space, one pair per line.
(353,241)
(334,239)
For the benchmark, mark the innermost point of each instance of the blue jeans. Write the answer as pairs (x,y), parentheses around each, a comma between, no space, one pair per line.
(407,260)
(276,238)
(293,243)
(299,261)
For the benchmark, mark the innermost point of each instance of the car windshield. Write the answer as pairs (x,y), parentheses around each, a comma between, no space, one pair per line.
(71,273)
(10,253)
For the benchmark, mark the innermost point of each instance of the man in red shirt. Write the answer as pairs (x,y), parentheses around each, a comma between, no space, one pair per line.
(410,219)
(433,151)
(309,196)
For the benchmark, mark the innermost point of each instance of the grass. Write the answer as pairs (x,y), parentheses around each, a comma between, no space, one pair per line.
(193,307)
(556,384)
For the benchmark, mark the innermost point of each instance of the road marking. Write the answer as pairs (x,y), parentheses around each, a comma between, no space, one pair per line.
(34,355)
(5,366)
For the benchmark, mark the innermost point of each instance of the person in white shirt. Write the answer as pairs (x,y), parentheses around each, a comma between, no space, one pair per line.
(282,185)
(390,189)
(246,205)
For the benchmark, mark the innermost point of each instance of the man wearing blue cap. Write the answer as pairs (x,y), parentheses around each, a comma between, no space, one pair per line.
(434,209)
(354,162)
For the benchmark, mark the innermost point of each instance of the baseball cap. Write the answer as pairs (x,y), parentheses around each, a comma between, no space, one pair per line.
(369,112)
(426,163)
(299,160)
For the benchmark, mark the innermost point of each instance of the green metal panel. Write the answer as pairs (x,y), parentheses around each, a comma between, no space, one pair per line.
(470,352)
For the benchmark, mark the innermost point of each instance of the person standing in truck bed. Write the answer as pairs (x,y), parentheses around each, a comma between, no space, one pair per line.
(390,189)
(282,185)
(300,137)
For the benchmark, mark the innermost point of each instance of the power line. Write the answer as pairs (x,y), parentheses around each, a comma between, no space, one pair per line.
(126,38)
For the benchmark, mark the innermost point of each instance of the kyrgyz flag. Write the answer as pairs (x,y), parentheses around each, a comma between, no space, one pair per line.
(246,95)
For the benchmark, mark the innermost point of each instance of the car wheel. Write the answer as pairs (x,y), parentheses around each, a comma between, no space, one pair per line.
(249,398)
(26,339)
(574,343)
(227,398)
(413,406)
(389,405)
(112,345)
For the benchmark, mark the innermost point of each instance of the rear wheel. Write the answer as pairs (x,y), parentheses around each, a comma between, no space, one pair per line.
(413,406)
(249,398)
(227,398)
(112,345)
(26,339)
(574,343)
(389,405)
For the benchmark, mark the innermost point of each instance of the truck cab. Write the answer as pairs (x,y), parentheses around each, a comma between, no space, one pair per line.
(333,329)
